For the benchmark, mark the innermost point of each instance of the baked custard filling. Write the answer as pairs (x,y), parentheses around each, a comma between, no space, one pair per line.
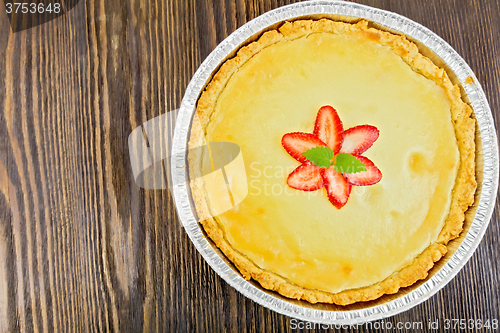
(382,228)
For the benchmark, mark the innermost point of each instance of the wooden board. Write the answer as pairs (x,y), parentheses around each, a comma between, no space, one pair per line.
(82,248)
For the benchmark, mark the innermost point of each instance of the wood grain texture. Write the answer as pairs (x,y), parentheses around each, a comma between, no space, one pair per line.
(82,248)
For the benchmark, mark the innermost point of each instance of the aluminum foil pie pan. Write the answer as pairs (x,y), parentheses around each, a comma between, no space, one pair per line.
(477,218)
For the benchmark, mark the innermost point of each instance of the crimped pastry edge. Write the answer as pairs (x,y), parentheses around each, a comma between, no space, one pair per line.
(463,191)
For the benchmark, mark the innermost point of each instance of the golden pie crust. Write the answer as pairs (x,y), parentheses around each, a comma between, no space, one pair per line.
(463,191)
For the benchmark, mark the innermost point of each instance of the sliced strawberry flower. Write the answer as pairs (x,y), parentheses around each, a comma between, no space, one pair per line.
(371,176)
(306,177)
(320,166)
(296,143)
(328,128)
(358,139)
(337,187)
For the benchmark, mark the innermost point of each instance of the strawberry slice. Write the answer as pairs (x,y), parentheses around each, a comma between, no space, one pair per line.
(371,176)
(337,187)
(328,128)
(296,143)
(358,139)
(306,177)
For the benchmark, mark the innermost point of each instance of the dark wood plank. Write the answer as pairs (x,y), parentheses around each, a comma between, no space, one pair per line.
(82,248)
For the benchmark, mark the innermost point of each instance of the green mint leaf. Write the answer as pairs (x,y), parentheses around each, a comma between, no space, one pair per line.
(347,163)
(319,156)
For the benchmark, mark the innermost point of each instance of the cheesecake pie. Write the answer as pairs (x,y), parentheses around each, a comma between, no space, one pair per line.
(301,103)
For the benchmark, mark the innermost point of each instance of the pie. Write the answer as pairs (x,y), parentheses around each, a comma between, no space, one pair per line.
(385,236)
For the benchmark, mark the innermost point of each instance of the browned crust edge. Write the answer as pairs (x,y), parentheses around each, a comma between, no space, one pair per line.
(464,188)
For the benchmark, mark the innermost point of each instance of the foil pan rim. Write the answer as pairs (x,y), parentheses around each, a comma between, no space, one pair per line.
(392,21)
